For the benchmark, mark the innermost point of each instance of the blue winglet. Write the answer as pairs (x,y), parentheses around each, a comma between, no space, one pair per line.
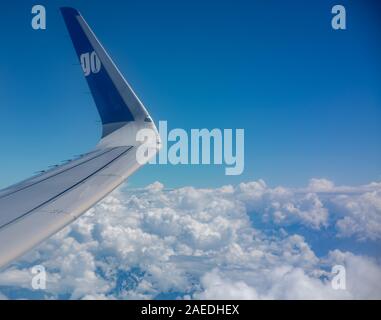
(109,89)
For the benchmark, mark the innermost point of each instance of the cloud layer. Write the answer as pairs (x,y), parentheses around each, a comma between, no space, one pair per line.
(229,242)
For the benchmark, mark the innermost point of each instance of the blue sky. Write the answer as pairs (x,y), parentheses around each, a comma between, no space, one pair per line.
(308,97)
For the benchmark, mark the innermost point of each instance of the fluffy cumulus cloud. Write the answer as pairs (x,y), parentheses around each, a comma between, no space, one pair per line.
(233,242)
(361,215)
(283,206)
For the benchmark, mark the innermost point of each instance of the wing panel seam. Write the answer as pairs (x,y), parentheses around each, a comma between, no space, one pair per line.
(65,191)
(56,174)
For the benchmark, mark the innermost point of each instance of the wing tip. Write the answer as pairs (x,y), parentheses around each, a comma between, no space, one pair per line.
(69,11)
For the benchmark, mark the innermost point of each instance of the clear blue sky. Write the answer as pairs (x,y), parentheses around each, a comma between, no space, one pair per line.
(308,97)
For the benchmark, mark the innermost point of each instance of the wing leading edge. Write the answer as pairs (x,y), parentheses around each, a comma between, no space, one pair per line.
(33,210)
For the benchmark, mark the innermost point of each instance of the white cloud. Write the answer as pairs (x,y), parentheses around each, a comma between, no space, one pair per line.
(356,210)
(218,288)
(361,215)
(202,243)
(283,206)
(363,273)
(320,185)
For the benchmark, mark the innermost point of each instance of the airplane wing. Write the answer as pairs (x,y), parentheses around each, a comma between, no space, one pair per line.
(35,209)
